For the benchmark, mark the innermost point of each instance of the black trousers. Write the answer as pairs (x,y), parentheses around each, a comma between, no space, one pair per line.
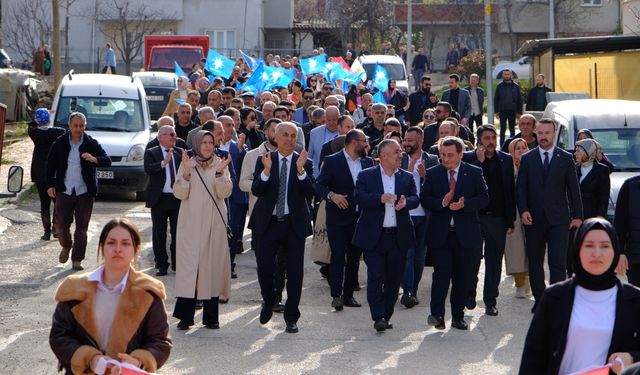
(166,209)
(281,265)
(554,238)
(494,234)
(280,234)
(451,265)
(510,118)
(113,69)
(343,280)
(633,274)
(475,119)
(385,268)
(45,199)
(67,209)
(238,212)
(185,310)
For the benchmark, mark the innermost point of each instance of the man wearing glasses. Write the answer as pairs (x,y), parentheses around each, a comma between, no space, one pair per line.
(419,101)
(300,115)
(161,163)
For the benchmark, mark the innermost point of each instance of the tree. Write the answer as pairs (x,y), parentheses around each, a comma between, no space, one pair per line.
(125,23)
(27,25)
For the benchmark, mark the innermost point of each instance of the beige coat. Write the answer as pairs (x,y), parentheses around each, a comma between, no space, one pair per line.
(515,257)
(172,104)
(202,252)
(246,173)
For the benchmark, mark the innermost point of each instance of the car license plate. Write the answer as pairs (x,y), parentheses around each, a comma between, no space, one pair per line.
(105,175)
(155,98)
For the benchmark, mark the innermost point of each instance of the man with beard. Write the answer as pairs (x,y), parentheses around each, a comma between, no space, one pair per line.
(443,112)
(416,162)
(336,184)
(508,103)
(419,101)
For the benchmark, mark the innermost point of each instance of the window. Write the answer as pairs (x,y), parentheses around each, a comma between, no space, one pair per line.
(591,3)
(106,114)
(223,41)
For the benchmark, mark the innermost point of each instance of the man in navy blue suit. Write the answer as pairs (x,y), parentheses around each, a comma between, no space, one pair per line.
(385,194)
(549,203)
(454,191)
(239,200)
(336,184)
(495,219)
(283,184)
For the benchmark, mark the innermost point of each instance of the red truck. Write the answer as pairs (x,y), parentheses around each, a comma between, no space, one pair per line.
(160,51)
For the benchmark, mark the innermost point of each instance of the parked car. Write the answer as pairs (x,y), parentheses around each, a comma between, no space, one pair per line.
(118,117)
(394,66)
(615,124)
(5,60)
(521,68)
(158,86)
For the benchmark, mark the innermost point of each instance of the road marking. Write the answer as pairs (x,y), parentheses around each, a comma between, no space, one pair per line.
(4,343)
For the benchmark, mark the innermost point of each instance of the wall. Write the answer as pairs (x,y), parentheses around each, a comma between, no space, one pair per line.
(278,14)
(631,17)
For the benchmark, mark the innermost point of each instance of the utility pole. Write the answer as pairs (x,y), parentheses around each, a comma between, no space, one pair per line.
(487,58)
(552,19)
(409,39)
(55,7)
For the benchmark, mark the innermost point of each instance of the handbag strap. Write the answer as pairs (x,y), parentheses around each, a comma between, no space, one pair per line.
(211,195)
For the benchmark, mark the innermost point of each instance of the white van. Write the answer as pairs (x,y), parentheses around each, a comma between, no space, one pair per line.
(394,66)
(615,124)
(117,117)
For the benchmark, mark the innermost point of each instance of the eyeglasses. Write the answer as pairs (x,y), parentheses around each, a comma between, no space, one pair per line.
(430,117)
(308,97)
(327,88)
(312,81)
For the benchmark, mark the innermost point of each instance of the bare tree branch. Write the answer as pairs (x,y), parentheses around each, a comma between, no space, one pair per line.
(26,26)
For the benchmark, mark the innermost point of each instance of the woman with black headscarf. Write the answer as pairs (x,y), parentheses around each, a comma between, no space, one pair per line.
(589,320)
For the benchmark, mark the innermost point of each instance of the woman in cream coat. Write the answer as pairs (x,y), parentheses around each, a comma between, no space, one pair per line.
(203,261)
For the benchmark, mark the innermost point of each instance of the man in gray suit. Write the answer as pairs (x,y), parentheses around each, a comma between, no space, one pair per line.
(460,99)
(549,202)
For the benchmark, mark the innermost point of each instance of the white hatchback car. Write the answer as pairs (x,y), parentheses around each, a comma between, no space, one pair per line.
(521,68)
(394,66)
(117,117)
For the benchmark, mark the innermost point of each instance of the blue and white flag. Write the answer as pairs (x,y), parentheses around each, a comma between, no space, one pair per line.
(379,97)
(274,77)
(179,71)
(380,79)
(219,65)
(254,83)
(253,62)
(313,65)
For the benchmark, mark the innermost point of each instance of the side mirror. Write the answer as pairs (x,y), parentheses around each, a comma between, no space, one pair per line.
(14,181)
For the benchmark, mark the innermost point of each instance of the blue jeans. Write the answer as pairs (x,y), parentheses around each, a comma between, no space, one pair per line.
(416,256)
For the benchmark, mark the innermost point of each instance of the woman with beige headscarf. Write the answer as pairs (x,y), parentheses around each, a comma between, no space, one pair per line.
(203,261)
(177,96)
(514,253)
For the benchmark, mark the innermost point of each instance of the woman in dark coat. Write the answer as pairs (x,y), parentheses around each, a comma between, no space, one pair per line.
(43,136)
(393,96)
(589,320)
(113,313)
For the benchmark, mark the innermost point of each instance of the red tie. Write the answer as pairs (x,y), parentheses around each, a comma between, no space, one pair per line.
(452,181)
(172,174)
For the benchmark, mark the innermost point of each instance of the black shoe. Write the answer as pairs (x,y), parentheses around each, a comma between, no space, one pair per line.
(292,327)
(223,301)
(415,300)
(471,303)
(234,275)
(173,267)
(278,308)
(491,310)
(213,325)
(46,236)
(380,325)
(265,313)
(406,300)
(389,325)
(436,321)
(459,324)
(351,302)
(198,305)
(162,271)
(337,303)
(324,272)
(183,326)
(535,306)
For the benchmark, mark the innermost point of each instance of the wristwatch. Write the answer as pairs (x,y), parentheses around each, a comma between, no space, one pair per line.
(330,195)
(301,173)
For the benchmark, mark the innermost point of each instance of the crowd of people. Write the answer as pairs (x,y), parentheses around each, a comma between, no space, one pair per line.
(407,184)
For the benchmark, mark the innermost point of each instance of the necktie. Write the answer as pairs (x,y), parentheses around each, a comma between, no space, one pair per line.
(452,181)
(545,163)
(282,189)
(172,174)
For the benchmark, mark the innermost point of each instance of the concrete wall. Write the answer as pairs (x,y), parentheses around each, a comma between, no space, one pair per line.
(278,14)
(631,17)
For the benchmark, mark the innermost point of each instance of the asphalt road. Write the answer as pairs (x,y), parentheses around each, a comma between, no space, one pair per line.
(328,341)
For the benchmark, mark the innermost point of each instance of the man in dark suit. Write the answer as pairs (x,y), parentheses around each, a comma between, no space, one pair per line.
(345,124)
(454,191)
(283,184)
(385,194)
(495,219)
(162,121)
(336,184)
(549,203)
(161,163)
(416,162)
(239,200)
(460,99)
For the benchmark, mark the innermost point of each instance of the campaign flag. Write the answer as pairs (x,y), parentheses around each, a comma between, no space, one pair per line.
(253,62)
(357,67)
(380,79)
(355,77)
(254,83)
(341,61)
(379,97)
(313,65)
(219,65)
(274,77)
(179,71)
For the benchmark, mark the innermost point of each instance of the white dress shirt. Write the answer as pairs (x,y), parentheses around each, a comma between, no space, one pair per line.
(418,211)
(265,178)
(225,146)
(106,304)
(167,188)
(355,166)
(584,171)
(542,154)
(389,186)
